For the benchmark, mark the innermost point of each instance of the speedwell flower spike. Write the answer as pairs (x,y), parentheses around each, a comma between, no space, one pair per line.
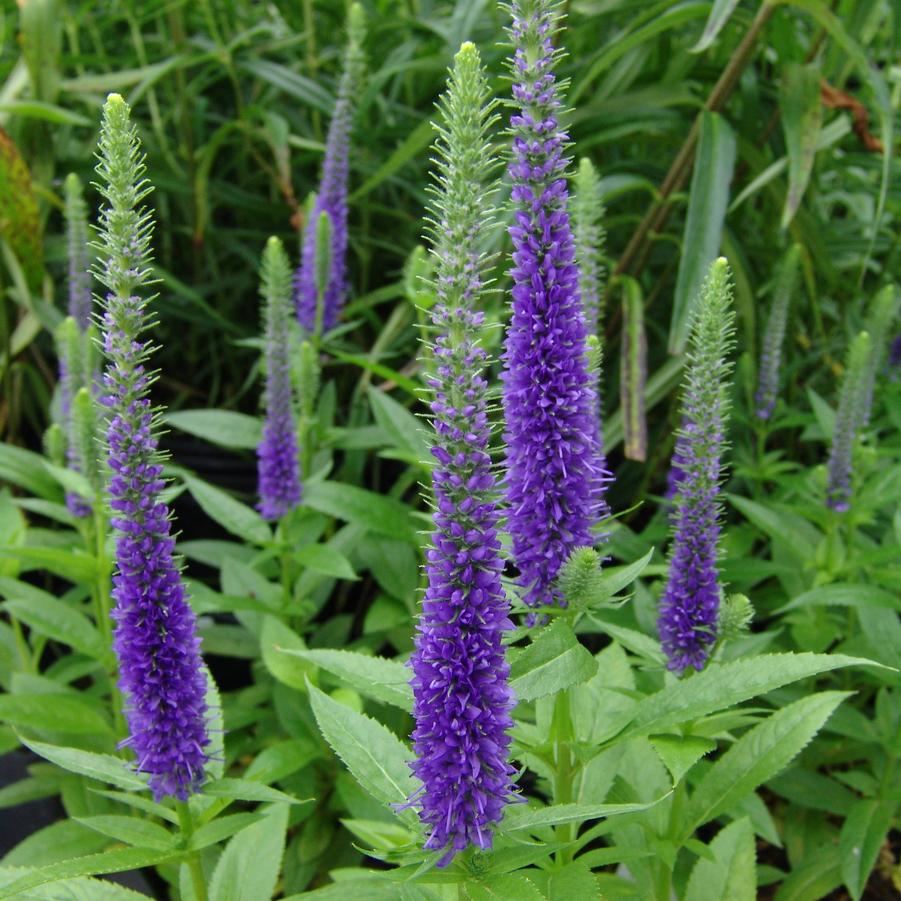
(462,701)
(774,336)
(848,421)
(332,196)
(690,605)
(155,635)
(882,312)
(555,476)
(278,462)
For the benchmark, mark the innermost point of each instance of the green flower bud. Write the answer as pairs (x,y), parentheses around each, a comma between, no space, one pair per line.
(735,617)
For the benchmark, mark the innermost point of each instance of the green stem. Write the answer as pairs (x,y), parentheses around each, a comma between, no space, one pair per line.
(564,770)
(194,865)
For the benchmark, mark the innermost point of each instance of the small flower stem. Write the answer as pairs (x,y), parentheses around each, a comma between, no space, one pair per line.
(193,861)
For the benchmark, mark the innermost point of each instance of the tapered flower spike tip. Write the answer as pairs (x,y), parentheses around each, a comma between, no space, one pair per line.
(331,198)
(689,608)
(462,700)
(155,637)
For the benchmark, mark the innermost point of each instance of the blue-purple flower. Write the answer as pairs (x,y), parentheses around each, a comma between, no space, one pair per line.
(688,610)
(554,473)
(316,313)
(462,701)
(278,462)
(155,640)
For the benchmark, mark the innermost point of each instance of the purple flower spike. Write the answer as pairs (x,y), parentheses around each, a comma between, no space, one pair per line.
(774,336)
(555,478)
(332,196)
(849,419)
(155,638)
(462,701)
(278,462)
(690,604)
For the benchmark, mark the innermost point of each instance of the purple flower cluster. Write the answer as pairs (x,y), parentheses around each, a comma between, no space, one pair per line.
(690,604)
(332,199)
(278,464)
(462,700)
(155,637)
(554,474)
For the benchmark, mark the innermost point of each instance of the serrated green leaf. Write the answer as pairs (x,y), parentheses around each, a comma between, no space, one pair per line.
(53,713)
(719,15)
(57,620)
(76,566)
(799,101)
(248,790)
(79,889)
(132,830)
(115,861)
(732,873)
(103,767)
(501,887)
(707,202)
(323,558)
(680,753)
(555,660)
(249,867)
(223,427)
(519,818)
(723,685)
(841,595)
(374,512)
(759,754)
(404,428)
(232,515)
(376,677)
(863,834)
(375,756)
(276,639)
(221,828)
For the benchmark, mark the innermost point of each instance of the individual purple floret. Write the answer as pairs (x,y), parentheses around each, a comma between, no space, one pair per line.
(155,638)
(555,478)
(278,463)
(332,197)
(462,701)
(688,610)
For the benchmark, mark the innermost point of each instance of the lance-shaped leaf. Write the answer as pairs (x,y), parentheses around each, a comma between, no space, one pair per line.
(799,101)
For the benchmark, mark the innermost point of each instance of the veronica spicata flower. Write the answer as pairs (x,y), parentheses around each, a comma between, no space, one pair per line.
(774,336)
(555,476)
(317,314)
(690,604)
(461,698)
(278,463)
(155,635)
(848,420)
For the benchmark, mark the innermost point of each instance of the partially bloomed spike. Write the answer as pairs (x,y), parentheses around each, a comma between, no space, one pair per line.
(689,608)
(880,316)
(462,700)
(278,462)
(331,198)
(155,635)
(848,421)
(774,336)
(555,476)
